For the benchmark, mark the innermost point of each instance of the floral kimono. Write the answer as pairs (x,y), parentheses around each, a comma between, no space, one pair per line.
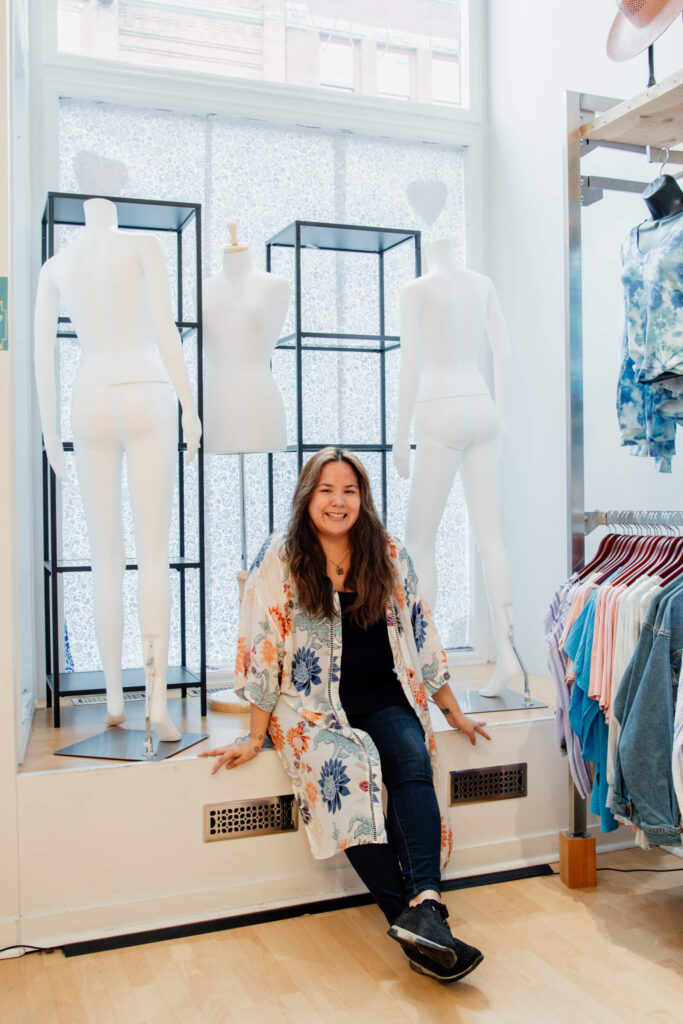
(288,663)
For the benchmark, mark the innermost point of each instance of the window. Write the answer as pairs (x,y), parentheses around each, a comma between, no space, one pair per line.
(338,64)
(395,74)
(314,43)
(445,78)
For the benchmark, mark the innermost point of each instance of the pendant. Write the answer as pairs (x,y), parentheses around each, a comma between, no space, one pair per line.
(340,571)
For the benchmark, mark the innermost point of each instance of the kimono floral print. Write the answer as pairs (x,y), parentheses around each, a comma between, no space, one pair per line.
(289,663)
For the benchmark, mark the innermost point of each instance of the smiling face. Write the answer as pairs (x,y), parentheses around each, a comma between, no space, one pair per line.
(334,505)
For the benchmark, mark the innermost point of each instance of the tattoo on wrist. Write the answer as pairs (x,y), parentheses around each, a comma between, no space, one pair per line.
(448,712)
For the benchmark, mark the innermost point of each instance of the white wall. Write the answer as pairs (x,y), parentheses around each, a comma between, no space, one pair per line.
(9,880)
(537,50)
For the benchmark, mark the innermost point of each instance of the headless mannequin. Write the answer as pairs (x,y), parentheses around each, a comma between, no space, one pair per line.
(244,311)
(448,317)
(114,286)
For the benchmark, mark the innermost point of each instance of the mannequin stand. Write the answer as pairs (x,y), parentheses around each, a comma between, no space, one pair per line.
(130,745)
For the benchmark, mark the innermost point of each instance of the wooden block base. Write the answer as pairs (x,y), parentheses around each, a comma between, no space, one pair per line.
(577,861)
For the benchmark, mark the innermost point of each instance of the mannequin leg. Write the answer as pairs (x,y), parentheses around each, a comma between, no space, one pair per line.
(481,480)
(99,477)
(434,471)
(150,455)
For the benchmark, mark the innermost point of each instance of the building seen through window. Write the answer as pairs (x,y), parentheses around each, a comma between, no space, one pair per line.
(406,49)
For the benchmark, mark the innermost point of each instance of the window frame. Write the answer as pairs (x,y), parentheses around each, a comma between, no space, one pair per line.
(54,76)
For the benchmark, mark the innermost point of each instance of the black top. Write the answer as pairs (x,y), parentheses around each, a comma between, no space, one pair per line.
(368,681)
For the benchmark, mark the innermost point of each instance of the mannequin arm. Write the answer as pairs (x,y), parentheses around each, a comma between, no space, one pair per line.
(45,332)
(407,392)
(168,339)
(500,346)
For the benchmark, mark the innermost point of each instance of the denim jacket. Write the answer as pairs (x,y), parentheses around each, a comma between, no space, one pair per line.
(644,706)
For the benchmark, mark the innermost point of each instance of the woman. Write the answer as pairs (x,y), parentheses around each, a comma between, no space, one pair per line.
(337,655)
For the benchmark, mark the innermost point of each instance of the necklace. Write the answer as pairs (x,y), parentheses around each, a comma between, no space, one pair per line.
(338,565)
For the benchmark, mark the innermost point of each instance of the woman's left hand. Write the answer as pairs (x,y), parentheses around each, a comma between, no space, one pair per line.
(471,728)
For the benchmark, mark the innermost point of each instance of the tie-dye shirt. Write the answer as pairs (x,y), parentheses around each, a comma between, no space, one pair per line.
(288,663)
(652,344)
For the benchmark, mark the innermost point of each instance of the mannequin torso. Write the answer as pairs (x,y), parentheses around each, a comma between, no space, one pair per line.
(244,310)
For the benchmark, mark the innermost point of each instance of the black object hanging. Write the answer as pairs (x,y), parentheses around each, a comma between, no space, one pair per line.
(663,197)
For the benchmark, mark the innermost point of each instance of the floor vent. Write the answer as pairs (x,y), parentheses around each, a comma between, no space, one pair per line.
(241,818)
(479,785)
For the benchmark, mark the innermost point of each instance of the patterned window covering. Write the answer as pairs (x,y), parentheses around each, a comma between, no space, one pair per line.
(260,176)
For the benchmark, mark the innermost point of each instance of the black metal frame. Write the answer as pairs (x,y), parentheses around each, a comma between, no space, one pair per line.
(339,238)
(142,215)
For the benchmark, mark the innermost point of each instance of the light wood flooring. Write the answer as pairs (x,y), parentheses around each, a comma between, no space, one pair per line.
(610,955)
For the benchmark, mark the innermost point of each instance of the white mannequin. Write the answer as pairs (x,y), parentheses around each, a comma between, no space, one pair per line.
(449,316)
(244,310)
(114,286)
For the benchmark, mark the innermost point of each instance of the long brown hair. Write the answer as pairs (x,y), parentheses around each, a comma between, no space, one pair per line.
(371,573)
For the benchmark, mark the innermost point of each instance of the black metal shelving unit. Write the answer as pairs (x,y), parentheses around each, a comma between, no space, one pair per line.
(344,238)
(64,208)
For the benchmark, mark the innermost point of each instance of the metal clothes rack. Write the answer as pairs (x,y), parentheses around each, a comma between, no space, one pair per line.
(650,124)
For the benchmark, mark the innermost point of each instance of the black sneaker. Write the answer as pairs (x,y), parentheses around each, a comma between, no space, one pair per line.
(423,929)
(468,959)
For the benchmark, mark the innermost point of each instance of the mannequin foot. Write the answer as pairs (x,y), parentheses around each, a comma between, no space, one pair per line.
(115,719)
(163,726)
(505,674)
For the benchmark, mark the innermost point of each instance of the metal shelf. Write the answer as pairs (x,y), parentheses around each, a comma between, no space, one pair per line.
(139,215)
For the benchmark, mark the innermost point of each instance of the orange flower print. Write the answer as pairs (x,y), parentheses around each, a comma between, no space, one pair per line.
(420,694)
(393,550)
(311,792)
(283,622)
(241,659)
(268,651)
(400,596)
(276,734)
(298,740)
(431,744)
(446,837)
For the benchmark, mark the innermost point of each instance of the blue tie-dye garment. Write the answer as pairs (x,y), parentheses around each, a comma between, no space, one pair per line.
(652,344)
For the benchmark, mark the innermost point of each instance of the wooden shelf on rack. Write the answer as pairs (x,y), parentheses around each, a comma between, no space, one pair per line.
(653,118)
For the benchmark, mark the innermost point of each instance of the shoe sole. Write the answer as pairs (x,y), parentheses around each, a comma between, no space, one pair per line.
(443,955)
(439,977)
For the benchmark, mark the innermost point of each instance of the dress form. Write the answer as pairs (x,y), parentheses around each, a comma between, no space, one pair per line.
(449,317)
(114,286)
(244,311)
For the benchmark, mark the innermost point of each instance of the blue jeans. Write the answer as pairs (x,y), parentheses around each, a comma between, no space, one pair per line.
(410,862)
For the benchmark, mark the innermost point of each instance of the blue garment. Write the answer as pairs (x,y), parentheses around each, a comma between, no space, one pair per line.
(585,715)
(644,790)
(565,737)
(409,862)
(652,343)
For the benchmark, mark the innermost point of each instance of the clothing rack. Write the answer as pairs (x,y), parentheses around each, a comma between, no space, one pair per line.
(641,520)
(651,124)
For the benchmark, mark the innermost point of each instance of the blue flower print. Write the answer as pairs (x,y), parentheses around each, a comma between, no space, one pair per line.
(305,670)
(260,556)
(304,811)
(333,783)
(419,625)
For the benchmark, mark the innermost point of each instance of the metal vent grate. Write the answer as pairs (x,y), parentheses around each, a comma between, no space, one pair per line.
(262,817)
(479,785)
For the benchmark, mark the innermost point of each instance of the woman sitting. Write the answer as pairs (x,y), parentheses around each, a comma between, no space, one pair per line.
(338,654)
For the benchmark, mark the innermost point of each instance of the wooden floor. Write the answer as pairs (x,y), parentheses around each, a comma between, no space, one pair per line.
(612,955)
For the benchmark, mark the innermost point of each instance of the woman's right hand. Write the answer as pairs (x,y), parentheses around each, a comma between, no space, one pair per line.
(234,754)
